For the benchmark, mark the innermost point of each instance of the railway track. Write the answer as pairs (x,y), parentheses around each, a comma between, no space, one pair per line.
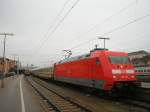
(55,101)
(137,103)
(142,94)
(130,102)
(139,98)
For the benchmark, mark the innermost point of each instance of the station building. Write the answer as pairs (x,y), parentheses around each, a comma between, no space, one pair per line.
(140,58)
(10,65)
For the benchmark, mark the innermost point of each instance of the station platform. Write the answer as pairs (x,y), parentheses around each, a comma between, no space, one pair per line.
(18,96)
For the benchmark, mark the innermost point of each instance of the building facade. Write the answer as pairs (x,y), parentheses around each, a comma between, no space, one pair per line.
(10,65)
(140,58)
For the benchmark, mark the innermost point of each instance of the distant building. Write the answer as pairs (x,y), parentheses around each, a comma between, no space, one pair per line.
(140,58)
(10,65)
(138,54)
(146,59)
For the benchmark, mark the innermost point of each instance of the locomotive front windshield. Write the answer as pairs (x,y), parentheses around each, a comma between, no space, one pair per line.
(119,59)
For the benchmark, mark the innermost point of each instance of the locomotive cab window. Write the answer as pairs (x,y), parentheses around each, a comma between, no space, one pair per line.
(119,60)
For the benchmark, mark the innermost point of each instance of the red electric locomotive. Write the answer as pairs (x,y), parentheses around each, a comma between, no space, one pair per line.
(100,69)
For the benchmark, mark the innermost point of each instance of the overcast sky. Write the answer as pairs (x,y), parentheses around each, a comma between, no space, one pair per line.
(32,22)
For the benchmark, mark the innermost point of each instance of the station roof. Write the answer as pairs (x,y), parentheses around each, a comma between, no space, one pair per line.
(139,52)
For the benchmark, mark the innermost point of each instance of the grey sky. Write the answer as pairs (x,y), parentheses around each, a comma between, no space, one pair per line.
(29,20)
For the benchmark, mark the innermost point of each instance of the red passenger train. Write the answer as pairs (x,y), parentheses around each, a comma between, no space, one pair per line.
(100,69)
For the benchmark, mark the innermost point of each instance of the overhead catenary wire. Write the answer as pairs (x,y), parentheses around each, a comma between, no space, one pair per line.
(55,28)
(51,25)
(88,49)
(104,21)
(55,20)
(114,30)
(135,12)
(57,25)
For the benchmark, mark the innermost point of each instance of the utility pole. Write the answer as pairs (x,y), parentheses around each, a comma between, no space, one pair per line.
(18,66)
(4,58)
(103,38)
(16,58)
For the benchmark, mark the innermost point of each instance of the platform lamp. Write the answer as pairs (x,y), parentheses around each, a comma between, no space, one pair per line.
(4,58)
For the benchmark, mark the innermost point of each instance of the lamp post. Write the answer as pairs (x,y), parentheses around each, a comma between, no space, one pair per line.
(4,58)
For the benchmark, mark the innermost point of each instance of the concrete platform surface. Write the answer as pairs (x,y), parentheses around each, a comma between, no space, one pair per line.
(18,96)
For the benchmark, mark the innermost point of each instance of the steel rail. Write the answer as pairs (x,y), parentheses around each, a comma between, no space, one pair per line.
(133,100)
(61,103)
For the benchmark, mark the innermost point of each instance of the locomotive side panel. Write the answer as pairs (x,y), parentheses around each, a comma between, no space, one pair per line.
(86,72)
(105,69)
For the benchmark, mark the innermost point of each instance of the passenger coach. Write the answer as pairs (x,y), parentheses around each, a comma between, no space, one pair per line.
(143,74)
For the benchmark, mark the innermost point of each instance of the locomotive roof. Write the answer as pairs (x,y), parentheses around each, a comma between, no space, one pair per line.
(75,58)
(81,56)
(84,56)
(99,49)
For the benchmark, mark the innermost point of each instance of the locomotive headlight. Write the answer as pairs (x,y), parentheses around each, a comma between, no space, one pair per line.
(116,71)
(130,71)
(114,77)
(132,76)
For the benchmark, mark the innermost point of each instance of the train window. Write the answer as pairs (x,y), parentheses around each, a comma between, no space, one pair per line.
(144,70)
(148,70)
(119,60)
